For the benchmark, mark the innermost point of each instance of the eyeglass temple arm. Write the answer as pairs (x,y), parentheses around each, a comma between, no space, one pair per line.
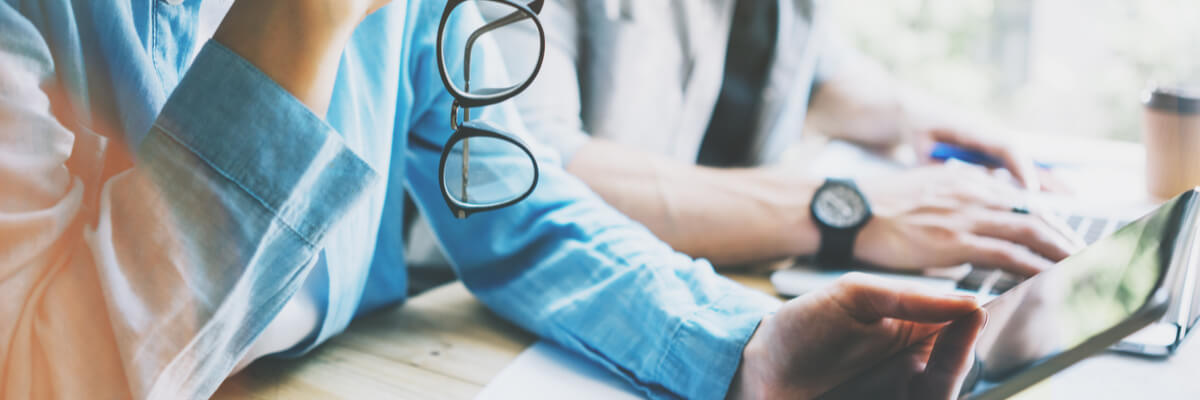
(511,18)
(514,17)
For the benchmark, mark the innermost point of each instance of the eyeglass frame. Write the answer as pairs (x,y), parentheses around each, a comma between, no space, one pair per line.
(465,100)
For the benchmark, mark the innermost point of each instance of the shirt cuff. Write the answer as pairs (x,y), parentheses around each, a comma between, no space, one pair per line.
(265,141)
(706,349)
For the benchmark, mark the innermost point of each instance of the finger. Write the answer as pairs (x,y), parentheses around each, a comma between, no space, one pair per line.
(950,360)
(923,146)
(889,378)
(870,298)
(975,186)
(1002,191)
(1020,165)
(992,196)
(1024,229)
(1004,255)
(1053,183)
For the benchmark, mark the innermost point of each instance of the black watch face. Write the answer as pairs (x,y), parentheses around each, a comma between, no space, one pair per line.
(839,206)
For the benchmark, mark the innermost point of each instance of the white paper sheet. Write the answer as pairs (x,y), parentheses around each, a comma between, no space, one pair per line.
(546,371)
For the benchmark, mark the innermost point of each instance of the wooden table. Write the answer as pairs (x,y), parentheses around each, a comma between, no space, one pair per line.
(440,344)
(445,344)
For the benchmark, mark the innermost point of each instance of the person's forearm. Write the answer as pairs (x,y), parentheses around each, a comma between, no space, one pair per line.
(865,105)
(297,43)
(727,216)
(861,103)
(845,109)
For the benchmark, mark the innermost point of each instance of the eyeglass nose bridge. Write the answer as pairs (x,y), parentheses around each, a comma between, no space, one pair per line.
(454,121)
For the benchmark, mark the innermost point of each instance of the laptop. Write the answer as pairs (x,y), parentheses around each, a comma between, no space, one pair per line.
(1090,223)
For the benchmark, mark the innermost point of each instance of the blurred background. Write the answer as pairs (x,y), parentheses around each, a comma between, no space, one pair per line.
(1069,67)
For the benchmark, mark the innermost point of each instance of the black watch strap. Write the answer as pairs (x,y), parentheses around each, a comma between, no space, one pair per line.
(837,248)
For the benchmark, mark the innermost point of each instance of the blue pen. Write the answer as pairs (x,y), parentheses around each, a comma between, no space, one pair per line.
(944,151)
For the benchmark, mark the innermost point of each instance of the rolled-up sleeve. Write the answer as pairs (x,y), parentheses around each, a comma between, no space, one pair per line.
(575,271)
(572,269)
(151,278)
(254,134)
(250,180)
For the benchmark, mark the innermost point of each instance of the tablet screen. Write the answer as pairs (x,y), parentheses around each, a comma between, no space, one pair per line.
(1081,297)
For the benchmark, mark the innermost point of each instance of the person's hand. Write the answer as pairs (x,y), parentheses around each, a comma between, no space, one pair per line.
(863,337)
(979,137)
(340,10)
(948,215)
(343,13)
(297,43)
(934,368)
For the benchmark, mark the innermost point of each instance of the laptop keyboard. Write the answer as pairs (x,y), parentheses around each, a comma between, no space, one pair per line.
(995,282)
(1092,229)
(987,280)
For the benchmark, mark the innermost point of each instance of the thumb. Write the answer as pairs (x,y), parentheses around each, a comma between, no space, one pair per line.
(870,298)
(951,359)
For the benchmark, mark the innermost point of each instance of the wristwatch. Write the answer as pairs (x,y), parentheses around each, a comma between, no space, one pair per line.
(840,211)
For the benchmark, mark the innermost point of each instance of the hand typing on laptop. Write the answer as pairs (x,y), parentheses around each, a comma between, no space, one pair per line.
(940,216)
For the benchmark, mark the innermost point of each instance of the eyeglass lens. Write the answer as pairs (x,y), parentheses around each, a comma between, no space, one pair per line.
(505,25)
(496,171)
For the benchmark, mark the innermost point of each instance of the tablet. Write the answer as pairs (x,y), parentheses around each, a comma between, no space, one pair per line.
(1084,304)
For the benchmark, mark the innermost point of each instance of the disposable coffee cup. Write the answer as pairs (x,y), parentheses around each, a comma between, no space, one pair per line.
(1172,140)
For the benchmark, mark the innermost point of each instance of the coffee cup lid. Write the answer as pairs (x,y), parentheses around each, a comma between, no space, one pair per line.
(1174,99)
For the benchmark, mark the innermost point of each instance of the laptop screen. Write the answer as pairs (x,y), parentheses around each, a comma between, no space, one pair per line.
(1080,298)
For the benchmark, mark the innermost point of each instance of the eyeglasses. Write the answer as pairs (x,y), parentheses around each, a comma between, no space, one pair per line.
(511,172)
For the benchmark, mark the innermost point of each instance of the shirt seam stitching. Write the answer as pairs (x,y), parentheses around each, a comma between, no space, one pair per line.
(154,50)
(679,328)
(283,221)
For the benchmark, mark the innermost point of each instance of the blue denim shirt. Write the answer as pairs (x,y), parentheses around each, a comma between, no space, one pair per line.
(160,203)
